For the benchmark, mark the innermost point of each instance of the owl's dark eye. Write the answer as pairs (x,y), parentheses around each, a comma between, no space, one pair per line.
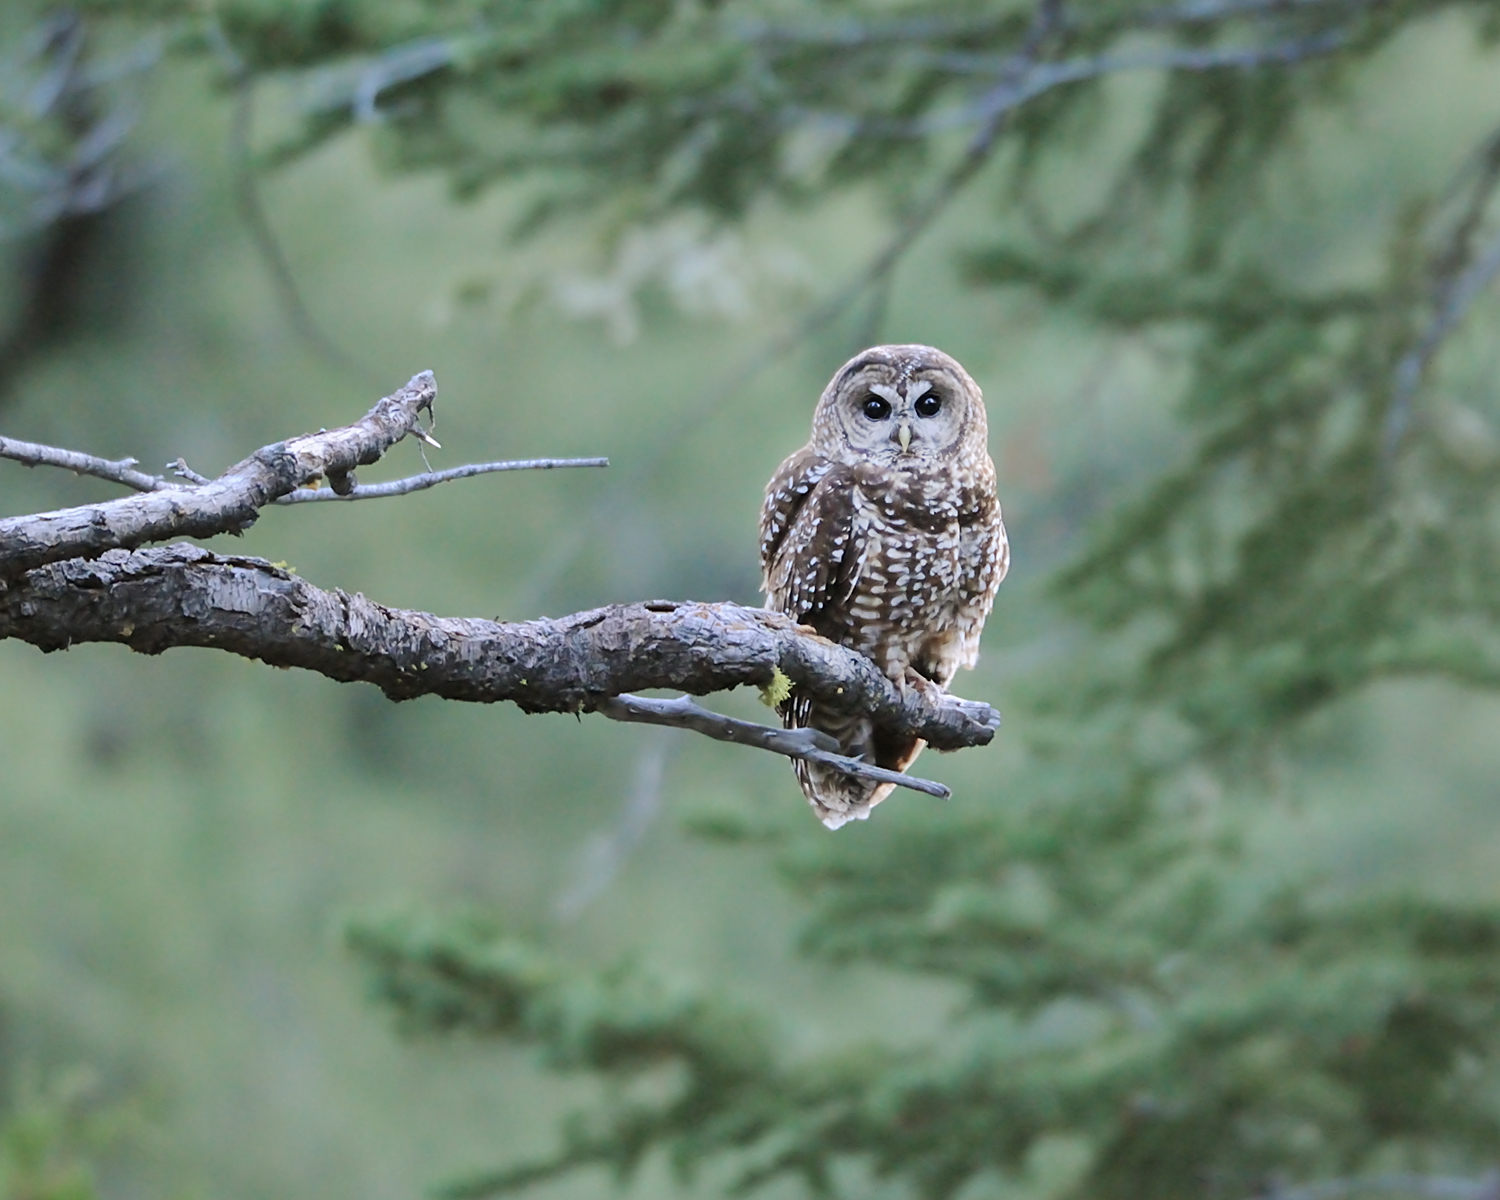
(877,409)
(928,406)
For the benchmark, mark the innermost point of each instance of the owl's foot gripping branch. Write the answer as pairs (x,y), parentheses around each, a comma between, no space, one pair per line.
(79,575)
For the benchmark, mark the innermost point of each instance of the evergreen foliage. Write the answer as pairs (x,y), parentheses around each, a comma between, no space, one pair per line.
(1123,1003)
(1136,1010)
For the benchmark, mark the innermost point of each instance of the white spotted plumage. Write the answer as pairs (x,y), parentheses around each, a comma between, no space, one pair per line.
(884,534)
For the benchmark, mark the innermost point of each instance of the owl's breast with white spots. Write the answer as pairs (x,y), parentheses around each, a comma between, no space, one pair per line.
(908,577)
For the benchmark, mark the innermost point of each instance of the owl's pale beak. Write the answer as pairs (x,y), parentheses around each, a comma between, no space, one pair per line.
(903,435)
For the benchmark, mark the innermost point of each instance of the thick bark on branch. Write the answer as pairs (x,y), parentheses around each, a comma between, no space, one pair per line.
(182,595)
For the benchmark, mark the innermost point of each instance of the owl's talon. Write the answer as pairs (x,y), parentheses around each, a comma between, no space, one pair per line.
(914,681)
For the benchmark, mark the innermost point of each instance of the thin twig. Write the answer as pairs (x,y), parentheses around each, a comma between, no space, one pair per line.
(180,468)
(1045,77)
(360,93)
(1455,297)
(604,854)
(1206,12)
(850,33)
(853,34)
(1458,276)
(34,454)
(419,483)
(810,744)
(253,211)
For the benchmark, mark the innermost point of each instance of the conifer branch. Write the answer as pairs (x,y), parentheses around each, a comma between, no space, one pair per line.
(1459,274)
(252,210)
(1456,295)
(1427,1187)
(1208,12)
(1037,79)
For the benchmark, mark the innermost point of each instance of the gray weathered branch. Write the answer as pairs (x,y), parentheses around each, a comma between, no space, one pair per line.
(1040,78)
(811,744)
(420,483)
(34,454)
(228,504)
(182,595)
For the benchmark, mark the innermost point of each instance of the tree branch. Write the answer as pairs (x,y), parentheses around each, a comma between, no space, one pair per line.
(34,454)
(228,504)
(359,89)
(1459,275)
(252,210)
(1040,78)
(811,744)
(1206,12)
(1456,296)
(183,595)
(1434,1187)
(420,483)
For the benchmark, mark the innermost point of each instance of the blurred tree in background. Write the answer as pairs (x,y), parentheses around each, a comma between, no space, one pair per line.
(1140,1006)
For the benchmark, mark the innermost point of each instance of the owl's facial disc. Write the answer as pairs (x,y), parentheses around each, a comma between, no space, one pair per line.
(906,408)
(900,422)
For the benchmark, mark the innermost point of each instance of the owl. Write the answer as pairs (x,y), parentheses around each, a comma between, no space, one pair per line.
(883,533)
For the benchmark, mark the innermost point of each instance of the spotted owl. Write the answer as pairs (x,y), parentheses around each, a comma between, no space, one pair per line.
(883,533)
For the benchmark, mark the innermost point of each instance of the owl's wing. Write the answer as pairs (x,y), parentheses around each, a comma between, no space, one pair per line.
(805,537)
(986,552)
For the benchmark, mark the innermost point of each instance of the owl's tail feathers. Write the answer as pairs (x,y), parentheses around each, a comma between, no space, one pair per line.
(837,798)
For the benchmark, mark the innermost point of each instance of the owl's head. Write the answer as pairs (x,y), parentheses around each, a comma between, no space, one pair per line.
(900,406)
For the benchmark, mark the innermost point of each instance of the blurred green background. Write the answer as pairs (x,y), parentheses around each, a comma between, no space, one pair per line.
(182,838)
